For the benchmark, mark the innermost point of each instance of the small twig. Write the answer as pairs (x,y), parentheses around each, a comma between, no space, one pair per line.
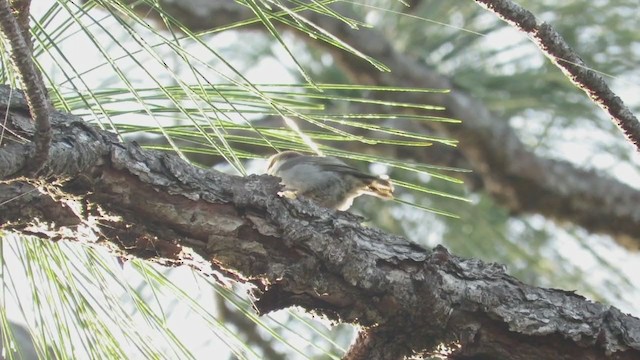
(21,12)
(21,57)
(554,46)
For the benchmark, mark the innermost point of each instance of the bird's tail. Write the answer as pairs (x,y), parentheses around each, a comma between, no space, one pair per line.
(380,187)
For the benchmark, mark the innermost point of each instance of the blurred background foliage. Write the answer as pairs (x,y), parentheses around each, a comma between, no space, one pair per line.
(219,98)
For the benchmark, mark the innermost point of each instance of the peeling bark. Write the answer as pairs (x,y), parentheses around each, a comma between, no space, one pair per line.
(407,300)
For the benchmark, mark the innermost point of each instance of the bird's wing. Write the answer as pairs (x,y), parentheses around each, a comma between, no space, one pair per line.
(337,165)
(346,169)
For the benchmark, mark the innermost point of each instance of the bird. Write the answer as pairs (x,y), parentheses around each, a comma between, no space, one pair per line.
(325,180)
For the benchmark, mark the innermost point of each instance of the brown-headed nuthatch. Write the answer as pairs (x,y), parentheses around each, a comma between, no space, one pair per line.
(327,181)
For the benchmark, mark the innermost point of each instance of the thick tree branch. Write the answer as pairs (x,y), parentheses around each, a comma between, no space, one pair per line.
(553,45)
(514,175)
(17,36)
(408,300)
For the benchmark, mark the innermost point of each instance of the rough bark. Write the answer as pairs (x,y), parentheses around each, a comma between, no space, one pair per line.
(407,300)
(514,175)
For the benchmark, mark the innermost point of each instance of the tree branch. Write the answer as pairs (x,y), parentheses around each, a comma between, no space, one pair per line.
(21,12)
(404,297)
(515,176)
(553,45)
(22,59)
